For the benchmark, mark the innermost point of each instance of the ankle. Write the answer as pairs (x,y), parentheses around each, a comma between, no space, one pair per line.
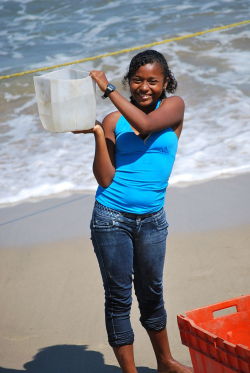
(164,363)
(173,366)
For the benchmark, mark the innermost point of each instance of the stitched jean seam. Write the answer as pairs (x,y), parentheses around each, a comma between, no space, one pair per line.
(107,282)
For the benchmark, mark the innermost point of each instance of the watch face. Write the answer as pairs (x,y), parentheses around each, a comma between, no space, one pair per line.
(110,87)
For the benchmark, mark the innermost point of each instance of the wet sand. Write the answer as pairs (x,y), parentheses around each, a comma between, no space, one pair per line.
(51,293)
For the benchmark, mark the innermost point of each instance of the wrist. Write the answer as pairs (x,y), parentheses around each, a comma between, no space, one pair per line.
(109,89)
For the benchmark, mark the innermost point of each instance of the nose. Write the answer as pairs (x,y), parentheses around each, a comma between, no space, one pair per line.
(144,86)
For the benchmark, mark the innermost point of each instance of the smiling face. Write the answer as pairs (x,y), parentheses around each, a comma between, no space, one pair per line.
(147,84)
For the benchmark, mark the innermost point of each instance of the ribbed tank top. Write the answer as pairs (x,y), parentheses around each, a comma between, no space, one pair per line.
(142,171)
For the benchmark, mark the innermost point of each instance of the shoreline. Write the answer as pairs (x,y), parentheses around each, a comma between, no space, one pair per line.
(52,295)
(176,185)
(217,203)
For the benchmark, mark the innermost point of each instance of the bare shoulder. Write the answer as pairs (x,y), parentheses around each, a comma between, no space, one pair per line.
(176,101)
(111,119)
(109,124)
(173,108)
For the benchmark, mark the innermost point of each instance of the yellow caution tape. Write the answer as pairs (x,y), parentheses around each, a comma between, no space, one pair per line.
(126,50)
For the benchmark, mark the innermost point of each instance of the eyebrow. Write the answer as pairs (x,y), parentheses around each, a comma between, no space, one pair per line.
(139,76)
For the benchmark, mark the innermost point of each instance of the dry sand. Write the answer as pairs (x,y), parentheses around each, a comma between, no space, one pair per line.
(51,293)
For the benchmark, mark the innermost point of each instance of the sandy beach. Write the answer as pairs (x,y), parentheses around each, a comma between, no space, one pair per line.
(52,316)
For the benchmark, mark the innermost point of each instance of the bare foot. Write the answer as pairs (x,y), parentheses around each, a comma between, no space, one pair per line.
(175,367)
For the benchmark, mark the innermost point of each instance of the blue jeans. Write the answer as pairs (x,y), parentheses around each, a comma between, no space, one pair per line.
(130,248)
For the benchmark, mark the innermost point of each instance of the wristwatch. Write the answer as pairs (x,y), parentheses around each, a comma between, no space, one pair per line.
(110,88)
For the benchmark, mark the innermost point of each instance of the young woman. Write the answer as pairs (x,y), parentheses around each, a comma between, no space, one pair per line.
(135,152)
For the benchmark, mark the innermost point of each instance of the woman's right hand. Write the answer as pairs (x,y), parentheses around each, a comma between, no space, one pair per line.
(96,128)
(100,78)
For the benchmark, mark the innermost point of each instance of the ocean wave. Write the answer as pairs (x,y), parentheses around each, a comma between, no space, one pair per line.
(211,71)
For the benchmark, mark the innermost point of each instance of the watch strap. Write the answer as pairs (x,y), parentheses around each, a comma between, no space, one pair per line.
(110,88)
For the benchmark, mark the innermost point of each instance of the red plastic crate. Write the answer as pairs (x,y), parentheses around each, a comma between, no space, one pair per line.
(218,344)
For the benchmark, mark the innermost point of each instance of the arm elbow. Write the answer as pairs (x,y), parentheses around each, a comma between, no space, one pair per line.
(104,184)
(104,179)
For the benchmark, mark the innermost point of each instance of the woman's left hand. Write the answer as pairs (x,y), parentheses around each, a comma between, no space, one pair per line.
(97,126)
(100,78)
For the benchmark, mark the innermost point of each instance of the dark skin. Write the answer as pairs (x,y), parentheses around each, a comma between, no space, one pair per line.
(146,87)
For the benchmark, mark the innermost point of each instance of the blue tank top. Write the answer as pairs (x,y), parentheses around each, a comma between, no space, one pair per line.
(143,168)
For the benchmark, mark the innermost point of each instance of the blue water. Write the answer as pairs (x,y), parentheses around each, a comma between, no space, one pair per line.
(34,31)
(212,72)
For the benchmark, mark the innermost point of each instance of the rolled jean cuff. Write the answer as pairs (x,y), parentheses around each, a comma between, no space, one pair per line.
(121,339)
(156,324)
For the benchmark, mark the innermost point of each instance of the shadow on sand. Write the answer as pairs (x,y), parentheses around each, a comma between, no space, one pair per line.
(68,359)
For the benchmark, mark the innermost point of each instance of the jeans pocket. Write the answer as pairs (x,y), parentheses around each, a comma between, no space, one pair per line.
(161,221)
(102,223)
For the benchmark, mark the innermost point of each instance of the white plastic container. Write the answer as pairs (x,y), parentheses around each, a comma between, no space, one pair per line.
(66,100)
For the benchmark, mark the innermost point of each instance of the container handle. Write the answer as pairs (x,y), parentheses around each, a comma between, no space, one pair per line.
(229,310)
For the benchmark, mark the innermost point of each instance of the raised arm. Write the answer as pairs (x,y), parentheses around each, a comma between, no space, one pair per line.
(169,114)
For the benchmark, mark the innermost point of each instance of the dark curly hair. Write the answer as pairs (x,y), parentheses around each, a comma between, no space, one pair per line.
(152,56)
